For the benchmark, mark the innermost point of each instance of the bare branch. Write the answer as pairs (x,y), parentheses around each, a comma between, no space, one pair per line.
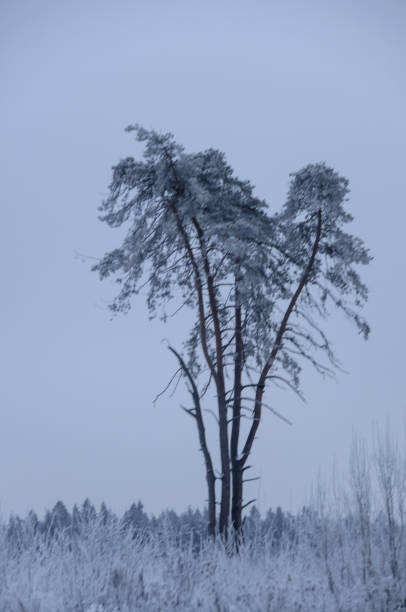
(214,415)
(251,501)
(166,388)
(190,411)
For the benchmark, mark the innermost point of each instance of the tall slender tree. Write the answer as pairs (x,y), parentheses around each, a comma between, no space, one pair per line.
(260,284)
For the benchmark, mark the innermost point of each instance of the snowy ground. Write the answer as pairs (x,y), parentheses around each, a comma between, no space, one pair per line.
(106,569)
(345,553)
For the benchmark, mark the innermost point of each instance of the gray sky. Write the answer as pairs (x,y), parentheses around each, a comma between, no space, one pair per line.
(275,85)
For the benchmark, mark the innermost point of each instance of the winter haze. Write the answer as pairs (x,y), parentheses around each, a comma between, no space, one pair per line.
(275,85)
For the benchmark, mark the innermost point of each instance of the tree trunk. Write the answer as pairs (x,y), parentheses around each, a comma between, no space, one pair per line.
(236,506)
(220,387)
(236,512)
(225,467)
(197,415)
(260,387)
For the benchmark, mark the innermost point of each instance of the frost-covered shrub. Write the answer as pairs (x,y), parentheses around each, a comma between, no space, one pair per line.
(108,567)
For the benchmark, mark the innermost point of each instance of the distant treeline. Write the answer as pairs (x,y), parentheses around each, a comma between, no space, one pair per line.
(184,527)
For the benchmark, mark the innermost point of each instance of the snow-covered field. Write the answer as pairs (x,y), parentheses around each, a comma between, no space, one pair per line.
(321,566)
(346,552)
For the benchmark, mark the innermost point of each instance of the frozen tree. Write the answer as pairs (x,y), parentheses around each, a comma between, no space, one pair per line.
(360,481)
(135,518)
(391,478)
(260,283)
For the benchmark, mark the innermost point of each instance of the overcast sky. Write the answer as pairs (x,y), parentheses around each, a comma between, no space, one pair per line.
(275,85)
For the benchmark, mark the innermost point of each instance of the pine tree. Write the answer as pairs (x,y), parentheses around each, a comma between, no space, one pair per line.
(260,282)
